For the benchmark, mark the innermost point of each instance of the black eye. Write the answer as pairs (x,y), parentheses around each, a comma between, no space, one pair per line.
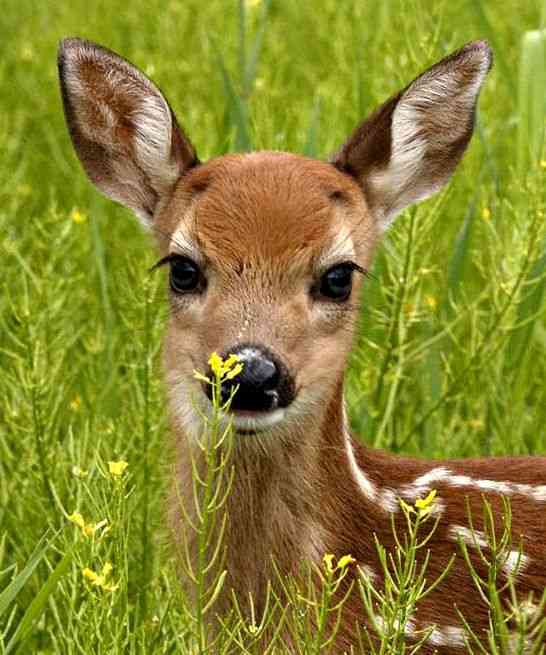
(186,277)
(337,282)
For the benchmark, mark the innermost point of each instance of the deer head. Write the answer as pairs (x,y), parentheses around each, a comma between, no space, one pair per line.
(266,250)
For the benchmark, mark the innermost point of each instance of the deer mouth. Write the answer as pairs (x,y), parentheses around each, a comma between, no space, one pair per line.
(252,422)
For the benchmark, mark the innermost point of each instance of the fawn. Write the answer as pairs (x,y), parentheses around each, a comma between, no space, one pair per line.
(266,253)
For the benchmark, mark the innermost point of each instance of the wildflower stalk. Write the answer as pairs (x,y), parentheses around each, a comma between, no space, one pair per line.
(146,438)
(396,331)
(212,478)
(516,625)
(329,603)
(392,608)
(34,390)
(313,613)
(487,339)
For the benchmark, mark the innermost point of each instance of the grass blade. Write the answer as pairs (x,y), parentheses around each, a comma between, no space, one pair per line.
(12,590)
(37,605)
(532,100)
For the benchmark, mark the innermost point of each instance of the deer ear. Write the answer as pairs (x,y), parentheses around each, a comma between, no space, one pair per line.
(409,147)
(122,128)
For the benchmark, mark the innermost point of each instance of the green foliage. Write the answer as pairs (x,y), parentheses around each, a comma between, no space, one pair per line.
(450,358)
(392,609)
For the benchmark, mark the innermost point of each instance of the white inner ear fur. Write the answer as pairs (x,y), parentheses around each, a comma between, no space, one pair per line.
(427,95)
(153,136)
(151,117)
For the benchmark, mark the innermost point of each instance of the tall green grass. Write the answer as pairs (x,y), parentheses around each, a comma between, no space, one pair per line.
(450,356)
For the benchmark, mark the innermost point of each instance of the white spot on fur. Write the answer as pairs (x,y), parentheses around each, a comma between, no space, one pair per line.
(434,475)
(366,486)
(388,501)
(385,498)
(470,537)
(515,564)
(516,561)
(450,636)
(367,572)
(381,626)
(425,482)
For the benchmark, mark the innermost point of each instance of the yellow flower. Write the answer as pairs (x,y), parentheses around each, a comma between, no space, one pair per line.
(100,580)
(223,369)
(215,363)
(344,562)
(431,302)
(234,372)
(328,560)
(88,529)
(543,163)
(425,505)
(77,216)
(76,403)
(117,468)
(77,519)
(486,213)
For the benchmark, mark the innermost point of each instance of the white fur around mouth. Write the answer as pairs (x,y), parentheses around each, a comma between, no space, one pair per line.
(257,421)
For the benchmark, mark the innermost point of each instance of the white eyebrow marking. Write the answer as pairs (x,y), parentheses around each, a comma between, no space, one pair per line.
(342,248)
(182,243)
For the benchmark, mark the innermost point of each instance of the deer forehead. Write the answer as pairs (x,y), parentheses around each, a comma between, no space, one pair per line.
(269,209)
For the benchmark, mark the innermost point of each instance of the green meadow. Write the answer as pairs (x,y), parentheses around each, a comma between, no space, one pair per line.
(450,359)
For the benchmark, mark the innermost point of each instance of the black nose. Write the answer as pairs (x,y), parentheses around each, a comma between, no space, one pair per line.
(264,383)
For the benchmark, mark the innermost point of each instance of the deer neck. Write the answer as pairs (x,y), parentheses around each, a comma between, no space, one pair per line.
(287,499)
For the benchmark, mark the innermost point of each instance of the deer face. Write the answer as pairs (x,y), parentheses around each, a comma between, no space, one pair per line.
(265,250)
(266,255)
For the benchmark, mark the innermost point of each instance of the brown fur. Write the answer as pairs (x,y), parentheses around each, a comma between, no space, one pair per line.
(263,228)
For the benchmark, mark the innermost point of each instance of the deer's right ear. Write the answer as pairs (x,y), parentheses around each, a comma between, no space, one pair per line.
(409,147)
(123,130)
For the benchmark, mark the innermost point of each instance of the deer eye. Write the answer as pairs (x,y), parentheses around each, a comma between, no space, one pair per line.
(186,276)
(337,282)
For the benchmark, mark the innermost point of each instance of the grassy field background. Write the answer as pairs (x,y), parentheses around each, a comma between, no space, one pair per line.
(450,360)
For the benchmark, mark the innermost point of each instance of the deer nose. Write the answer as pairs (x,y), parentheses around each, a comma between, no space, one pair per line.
(264,383)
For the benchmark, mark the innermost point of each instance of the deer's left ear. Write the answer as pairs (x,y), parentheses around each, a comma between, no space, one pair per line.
(409,147)
(122,128)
